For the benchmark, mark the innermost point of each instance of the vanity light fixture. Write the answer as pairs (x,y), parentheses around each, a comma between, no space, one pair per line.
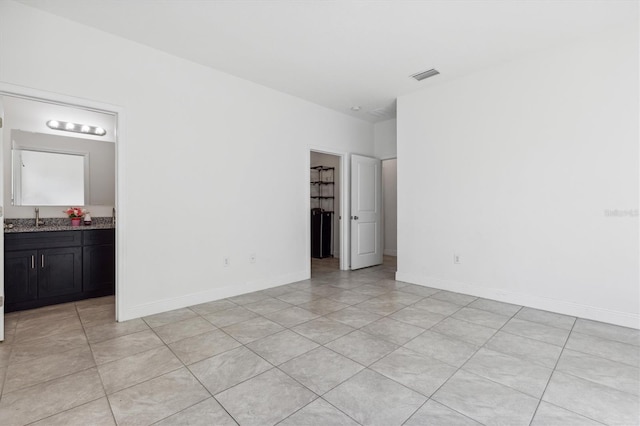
(77,128)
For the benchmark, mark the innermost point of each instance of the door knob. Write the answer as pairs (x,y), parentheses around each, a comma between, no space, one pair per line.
(355,218)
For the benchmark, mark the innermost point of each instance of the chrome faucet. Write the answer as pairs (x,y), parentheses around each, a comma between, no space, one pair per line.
(38,221)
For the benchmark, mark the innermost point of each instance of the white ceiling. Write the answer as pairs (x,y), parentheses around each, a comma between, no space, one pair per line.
(344,53)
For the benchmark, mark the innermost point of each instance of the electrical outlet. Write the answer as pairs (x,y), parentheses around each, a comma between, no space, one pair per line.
(226,262)
(252,258)
(456,258)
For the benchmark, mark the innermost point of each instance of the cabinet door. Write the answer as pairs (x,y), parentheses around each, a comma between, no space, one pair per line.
(99,267)
(20,276)
(60,271)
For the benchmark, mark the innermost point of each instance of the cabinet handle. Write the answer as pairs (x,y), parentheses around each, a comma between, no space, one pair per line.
(33,262)
(42,260)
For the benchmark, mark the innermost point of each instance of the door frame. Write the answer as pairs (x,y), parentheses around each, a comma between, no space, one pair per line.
(345,193)
(7,89)
(384,211)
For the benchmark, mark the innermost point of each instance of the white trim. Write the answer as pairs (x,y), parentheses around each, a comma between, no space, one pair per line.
(624,319)
(388,252)
(8,89)
(165,305)
(345,205)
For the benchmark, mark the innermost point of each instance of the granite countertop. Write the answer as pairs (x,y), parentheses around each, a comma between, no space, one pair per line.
(56,224)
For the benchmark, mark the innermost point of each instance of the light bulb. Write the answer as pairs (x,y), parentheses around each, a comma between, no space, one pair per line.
(85,128)
(53,124)
(70,126)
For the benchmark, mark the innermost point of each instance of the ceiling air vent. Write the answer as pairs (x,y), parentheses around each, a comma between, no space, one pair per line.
(425,74)
(380,113)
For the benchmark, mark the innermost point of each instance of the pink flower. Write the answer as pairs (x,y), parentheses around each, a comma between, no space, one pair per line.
(74,212)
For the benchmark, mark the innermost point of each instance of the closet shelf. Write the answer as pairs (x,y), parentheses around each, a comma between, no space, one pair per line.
(322,179)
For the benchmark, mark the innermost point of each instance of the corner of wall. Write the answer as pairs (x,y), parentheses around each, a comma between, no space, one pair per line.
(385,136)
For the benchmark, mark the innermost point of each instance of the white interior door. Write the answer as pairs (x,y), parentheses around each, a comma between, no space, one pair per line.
(366,212)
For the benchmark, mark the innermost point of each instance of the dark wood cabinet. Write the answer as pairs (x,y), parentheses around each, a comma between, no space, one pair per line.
(44,268)
(60,271)
(20,276)
(99,261)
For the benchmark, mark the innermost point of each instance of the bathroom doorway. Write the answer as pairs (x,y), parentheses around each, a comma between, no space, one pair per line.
(21,133)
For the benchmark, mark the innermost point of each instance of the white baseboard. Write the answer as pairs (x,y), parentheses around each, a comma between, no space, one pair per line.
(388,252)
(128,313)
(595,313)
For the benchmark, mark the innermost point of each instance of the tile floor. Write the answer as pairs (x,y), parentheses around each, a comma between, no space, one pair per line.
(344,348)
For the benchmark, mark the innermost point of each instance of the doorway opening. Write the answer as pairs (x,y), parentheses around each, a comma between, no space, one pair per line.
(25,130)
(325,181)
(390,211)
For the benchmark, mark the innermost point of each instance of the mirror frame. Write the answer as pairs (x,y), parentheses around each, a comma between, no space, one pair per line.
(16,177)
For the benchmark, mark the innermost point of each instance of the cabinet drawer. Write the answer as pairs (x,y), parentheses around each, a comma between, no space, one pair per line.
(99,236)
(38,240)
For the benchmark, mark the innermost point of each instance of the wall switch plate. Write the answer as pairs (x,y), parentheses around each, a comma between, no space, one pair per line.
(456,258)
(252,258)
(226,262)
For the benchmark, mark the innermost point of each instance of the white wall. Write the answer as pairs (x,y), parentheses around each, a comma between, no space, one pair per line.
(385,139)
(385,143)
(210,165)
(514,168)
(327,160)
(390,207)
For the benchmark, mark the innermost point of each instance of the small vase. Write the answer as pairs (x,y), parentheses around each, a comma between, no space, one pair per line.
(75,221)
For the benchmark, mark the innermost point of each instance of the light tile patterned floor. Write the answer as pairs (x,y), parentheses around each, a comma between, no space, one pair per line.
(344,348)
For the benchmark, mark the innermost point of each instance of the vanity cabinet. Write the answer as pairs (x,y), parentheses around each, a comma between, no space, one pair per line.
(45,268)
(20,276)
(99,261)
(59,271)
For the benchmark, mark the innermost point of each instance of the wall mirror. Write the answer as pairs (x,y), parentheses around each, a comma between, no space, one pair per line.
(51,170)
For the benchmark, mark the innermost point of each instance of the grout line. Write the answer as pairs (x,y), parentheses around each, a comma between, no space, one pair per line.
(570,411)
(332,280)
(439,403)
(464,363)
(6,367)
(104,390)
(551,375)
(70,374)
(186,367)
(72,408)
(636,366)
